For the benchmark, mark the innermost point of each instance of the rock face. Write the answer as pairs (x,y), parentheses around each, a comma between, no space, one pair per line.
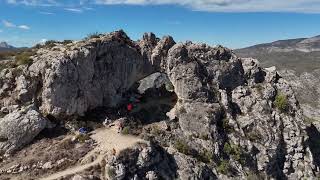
(297,60)
(20,127)
(234,117)
(307,88)
(143,162)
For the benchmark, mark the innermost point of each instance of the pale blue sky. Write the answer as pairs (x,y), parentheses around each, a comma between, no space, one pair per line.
(232,23)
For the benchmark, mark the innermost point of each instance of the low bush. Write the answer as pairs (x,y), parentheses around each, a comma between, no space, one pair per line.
(82,138)
(234,151)
(281,102)
(224,167)
(205,156)
(65,42)
(125,130)
(93,35)
(50,43)
(182,147)
(24,58)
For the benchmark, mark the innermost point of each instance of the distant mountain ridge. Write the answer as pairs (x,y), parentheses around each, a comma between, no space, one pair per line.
(301,44)
(4,46)
(301,55)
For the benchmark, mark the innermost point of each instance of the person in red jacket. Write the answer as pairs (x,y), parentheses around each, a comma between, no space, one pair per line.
(129,107)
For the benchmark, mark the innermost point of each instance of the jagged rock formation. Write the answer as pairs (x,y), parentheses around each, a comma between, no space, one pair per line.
(234,118)
(298,62)
(143,162)
(307,88)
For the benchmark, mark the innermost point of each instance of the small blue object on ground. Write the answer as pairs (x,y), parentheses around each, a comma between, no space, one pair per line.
(83,130)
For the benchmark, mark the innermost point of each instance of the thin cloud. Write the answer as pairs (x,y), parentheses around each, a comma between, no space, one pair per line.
(1,30)
(46,13)
(76,10)
(9,24)
(45,3)
(25,27)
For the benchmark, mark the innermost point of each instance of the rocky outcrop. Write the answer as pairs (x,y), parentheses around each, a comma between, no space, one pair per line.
(307,88)
(144,161)
(233,117)
(18,128)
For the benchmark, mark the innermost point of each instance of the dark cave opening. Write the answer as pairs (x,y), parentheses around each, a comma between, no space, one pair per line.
(151,98)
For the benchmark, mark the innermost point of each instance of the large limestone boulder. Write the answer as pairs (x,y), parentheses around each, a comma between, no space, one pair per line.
(20,127)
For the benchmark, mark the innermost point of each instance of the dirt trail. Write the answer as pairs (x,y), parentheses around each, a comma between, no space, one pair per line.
(107,140)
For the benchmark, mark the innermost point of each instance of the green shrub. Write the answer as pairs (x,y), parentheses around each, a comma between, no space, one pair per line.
(24,58)
(125,130)
(37,46)
(205,156)
(224,167)
(67,42)
(50,43)
(234,151)
(182,147)
(93,35)
(281,102)
(82,138)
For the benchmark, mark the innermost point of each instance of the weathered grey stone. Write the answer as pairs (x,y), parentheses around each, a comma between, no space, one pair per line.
(20,127)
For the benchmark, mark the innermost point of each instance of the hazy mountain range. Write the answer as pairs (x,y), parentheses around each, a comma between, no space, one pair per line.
(5,46)
(301,55)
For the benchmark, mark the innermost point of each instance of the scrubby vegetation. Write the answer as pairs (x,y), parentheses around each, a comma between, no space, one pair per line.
(233,151)
(126,130)
(224,167)
(205,156)
(82,138)
(281,102)
(182,147)
(7,55)
(92,35)
(24,58)
(65,42)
